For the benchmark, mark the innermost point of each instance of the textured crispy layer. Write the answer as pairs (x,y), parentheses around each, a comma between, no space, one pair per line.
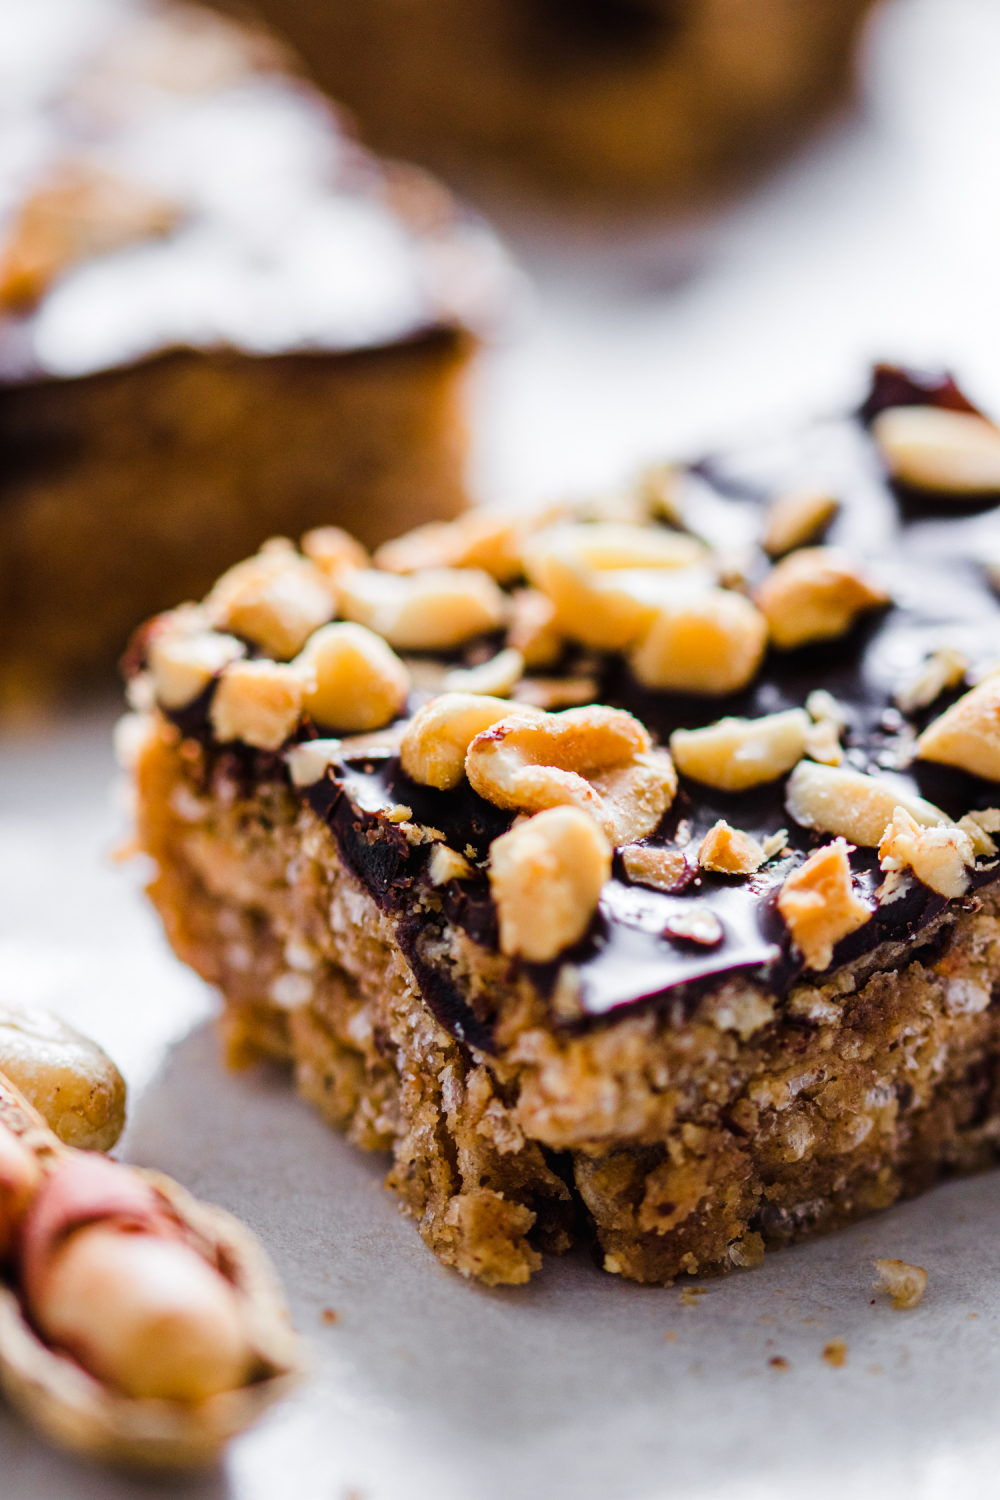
(127,490)
(683,1142)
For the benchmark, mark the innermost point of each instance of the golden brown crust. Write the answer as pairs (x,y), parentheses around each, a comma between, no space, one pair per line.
(689,1141)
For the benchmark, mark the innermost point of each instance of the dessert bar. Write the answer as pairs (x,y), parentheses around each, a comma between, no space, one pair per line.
(627,870)
(220,317)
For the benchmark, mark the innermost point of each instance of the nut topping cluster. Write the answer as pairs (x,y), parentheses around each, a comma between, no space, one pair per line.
(524,613)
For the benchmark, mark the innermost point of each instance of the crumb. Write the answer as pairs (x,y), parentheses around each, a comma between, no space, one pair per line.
(329,1315)
(906,1284)
(779,1362)
(973,1315)
(874,1369)
(835,1353)
(670,1336)
(690,1295)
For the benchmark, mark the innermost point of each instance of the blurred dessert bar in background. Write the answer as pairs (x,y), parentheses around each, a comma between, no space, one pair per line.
(605,100)
(220,318)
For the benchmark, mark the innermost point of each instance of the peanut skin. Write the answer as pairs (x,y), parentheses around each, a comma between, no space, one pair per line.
(19,1177)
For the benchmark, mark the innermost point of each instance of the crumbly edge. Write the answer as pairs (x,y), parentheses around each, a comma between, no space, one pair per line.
(684,1143)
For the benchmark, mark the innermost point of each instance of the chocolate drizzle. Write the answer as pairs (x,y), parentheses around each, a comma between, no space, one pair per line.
(626,961)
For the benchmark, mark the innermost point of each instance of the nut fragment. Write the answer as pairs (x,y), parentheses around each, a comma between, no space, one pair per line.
(531,630)
(905,1283)
(276,599)
(333,550)
(19,1178)
(939,857)
(432,610)
(710,644)
(797,518)
(495,677)
(943,669)
(352,680)
(598,759)
(602,578)
(734,754)
(182,665)
(979,826)
(447,864)
(832,799)
(730,850)
(553,693)
(437,738)
(546,876)
(476,540)
(967,734)
(663,869)
(258,702)
(307,762)
(930,448)
(819,904)
(816,594)
(696,924)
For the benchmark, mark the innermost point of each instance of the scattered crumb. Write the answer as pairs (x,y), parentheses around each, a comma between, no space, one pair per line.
(779,1362)
(690,1295)
(874,1369)
(904,1283)
(329,1315)
(670,1336)
(973,1315)
(835,1353)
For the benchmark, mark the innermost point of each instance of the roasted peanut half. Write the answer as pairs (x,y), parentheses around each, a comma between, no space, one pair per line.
(967,734)
(738,753)
(598,759)
(956,452)
(181,666)
(496,677)
(476,540)
(546,876)
(816,594)
(710,644)
(832,799)
(432,610)
(334,551)
(276,599)
(352,680)
(795,519)
(437,738)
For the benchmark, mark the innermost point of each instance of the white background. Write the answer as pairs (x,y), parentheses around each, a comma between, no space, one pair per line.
(882,239)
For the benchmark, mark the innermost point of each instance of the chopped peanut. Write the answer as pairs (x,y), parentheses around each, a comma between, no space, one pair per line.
(334,551)
(832,799)
(982,845)
(956,452)
(531,630)
(794,520)
(697,924)
(181,666)
(352,680)
(730,851)
(967,734)
(476,540)
(276,599)
(431,610)
(546,876)
(598,759)
(496,677)
(944,668)
(816,594)
(904,1282)
(823,743)
(710,644)
(734,754)
(437,738)
(447,864)
(602,578)
(819,904)
(258,702)
(939,857)
(663,869)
